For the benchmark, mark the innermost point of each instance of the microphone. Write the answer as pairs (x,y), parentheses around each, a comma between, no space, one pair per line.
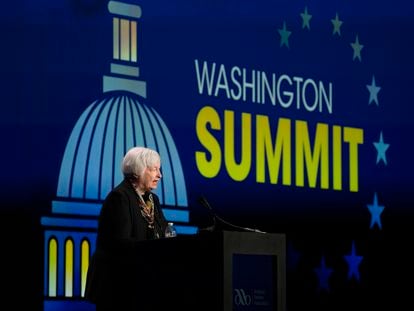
(203,201)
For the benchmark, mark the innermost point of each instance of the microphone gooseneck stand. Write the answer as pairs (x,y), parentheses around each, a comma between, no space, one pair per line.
(203,201)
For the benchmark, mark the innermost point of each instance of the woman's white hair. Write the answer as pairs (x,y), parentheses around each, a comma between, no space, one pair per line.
(137,159)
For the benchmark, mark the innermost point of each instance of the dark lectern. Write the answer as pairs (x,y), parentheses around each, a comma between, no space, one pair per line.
(218,271)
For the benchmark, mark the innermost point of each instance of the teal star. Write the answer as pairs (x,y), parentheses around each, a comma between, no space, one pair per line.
(306,18)
(336,25)
(323,273)
(381,149)
(373,91)
(375,211)
(357,49)
(284,35)
(353,262)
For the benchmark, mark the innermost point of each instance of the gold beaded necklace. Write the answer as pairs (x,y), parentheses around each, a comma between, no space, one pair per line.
(147,209)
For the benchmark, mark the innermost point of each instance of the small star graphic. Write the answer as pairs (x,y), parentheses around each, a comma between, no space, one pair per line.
(375,211)
(381,149)
(337,23)
(353,262)
(373,91)
(293,256)
(357,49)
(306,19)
(284,35)
(323,273)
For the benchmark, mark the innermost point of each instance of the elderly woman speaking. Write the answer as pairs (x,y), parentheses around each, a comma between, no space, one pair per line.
(131,212)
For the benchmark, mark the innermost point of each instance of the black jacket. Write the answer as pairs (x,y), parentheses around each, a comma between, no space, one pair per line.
(115,261)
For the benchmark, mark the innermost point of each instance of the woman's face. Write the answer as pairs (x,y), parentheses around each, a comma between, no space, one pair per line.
(150,178)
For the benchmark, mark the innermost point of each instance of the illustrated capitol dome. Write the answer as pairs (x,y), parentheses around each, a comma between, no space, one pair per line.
(91,166)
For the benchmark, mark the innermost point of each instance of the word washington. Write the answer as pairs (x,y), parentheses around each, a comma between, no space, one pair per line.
(239,84)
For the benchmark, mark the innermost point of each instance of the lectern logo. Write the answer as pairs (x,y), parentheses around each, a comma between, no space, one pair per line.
(241,298)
